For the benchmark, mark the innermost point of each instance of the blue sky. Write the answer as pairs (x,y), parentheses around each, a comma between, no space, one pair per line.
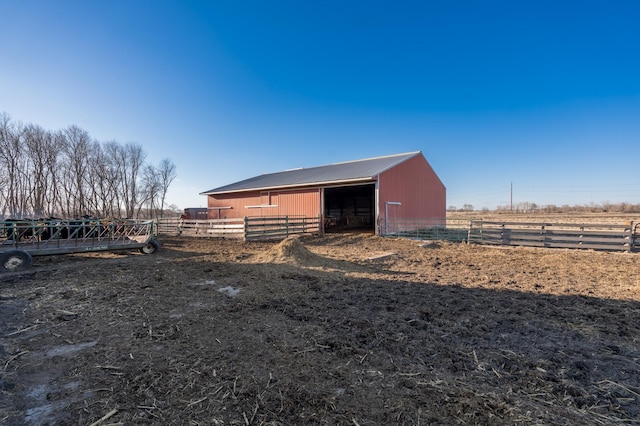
(541,94)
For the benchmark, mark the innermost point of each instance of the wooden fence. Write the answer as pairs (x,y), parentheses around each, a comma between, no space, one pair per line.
(248,228)
(611,237)
(269,228)
(223,228)
(555,235)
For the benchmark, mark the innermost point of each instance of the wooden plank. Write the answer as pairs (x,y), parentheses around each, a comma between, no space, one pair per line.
(521,239)
(550,232)
(589,246)
(548,225)
(610,247)
(381,256)
(559,236)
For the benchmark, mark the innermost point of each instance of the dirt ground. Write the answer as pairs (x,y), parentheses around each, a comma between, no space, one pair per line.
(343,329)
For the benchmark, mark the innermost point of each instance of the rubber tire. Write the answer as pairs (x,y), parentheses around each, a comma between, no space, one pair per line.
(153,246)
(14,260)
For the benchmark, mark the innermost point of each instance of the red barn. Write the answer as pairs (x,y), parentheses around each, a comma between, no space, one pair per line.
(385,194)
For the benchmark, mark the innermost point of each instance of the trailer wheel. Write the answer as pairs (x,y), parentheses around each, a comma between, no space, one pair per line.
(153,246)
(14,260)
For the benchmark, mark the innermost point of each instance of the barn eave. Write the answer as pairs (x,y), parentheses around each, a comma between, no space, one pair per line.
(296,186)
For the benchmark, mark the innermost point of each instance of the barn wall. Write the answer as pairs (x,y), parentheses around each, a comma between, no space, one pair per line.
(303,202)
(237,202)
(416,186)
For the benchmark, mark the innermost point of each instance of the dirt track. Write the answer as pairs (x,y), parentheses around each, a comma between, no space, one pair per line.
(318,332)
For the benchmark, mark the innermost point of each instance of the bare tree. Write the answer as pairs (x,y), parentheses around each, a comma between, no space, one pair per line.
(105,176)
(167,173)
(75,149)
(127,162)
(149,191)
(6,132)
(112,172)
(67,173)
(12,160)
(42,152)
(130,160)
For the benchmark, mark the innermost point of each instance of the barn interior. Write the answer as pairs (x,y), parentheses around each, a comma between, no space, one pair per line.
(349,208)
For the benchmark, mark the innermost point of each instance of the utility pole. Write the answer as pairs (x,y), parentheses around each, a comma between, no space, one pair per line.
(511,202)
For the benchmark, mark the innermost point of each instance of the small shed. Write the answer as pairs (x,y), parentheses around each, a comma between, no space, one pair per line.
(382,194)
(199,213)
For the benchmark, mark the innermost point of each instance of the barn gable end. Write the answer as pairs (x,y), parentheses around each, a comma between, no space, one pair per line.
(417,188)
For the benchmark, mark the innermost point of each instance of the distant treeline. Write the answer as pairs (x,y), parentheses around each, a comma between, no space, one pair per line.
(66,173)
(527,207)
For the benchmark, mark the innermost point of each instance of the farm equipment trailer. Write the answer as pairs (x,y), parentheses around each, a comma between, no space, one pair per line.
(20,240)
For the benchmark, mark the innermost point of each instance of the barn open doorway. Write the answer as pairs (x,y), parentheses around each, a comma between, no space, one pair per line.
(348,208)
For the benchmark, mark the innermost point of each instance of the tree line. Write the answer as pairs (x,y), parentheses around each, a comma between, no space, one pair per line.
(528,207)
(66,173)
(604,207)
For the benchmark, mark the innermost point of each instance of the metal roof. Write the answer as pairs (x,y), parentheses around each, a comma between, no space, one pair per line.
(351,171)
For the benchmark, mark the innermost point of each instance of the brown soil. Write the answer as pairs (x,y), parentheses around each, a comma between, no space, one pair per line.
(344,329)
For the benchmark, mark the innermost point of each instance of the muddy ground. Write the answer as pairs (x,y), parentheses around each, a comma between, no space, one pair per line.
(322,331)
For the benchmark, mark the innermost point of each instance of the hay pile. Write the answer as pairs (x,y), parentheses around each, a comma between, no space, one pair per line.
(292,251)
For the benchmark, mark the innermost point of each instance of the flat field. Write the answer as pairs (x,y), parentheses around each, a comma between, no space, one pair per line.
(542,217)
(346,329)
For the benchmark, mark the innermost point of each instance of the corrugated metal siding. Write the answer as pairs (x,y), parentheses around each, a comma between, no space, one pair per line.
(416,186)
(303,202)
(300,202)
(236,203)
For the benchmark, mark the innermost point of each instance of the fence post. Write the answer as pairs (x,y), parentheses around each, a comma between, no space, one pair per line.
(504,235)
(246,228)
